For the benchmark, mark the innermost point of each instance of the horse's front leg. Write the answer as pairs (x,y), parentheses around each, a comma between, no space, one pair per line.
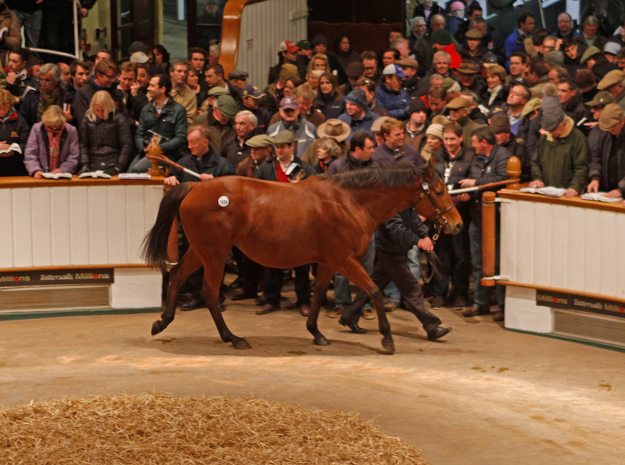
(189,263)
(324,274)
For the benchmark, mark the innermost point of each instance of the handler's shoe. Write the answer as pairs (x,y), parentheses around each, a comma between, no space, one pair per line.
(192,304)
(336,312)
(437,333)
(499,316)
(391,306)
(268,308)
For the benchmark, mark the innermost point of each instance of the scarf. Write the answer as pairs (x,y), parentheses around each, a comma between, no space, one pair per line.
(54,147)
(46,100)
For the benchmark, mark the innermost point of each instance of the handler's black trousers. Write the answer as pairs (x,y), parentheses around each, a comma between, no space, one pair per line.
(394,267)
(273,287)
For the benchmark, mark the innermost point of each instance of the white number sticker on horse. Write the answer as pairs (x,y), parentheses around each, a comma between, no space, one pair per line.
(223,201)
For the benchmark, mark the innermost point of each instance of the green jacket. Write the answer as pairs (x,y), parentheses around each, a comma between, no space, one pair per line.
(171,123)
(563,162)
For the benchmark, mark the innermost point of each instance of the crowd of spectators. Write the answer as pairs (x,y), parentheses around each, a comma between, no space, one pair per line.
(456,92)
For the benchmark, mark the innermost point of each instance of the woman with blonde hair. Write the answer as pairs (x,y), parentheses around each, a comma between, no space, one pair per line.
(52,146)
(105,139)
(312,79)
(13,130)
(319,61)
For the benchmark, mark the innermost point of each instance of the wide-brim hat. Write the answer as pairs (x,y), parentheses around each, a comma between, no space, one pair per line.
(334,128)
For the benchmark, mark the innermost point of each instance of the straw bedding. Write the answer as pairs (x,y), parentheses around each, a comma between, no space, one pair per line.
(161,429)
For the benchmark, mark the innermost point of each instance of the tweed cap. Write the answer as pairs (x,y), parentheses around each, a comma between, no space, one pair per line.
(261,140)
(457,103)
(474,34)
(227,106)
(500,123)
(238,74)
(601,99)
(218,90)
(467,67)
(532,105)
(284,137)
(611,115)
(589,53)
(409,62)
(447,83)
(613,77)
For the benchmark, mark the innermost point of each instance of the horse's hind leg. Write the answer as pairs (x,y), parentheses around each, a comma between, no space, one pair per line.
(213,274)
(177,276)
(353,270)
(324,274)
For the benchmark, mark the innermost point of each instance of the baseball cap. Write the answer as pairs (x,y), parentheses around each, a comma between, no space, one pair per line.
(394,70)
(288,103)
(288,46)
(601,99)
(252,91)
(139,57)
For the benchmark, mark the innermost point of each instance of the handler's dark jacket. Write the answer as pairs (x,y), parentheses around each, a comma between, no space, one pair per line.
(235,152)
(348,163)
(268,170)
(209,163)
(384,157)
(518,150)
(399,234)
(14,130)
(486,170)
(607,160)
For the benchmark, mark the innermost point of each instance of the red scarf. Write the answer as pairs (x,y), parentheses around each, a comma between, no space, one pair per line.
(54,147)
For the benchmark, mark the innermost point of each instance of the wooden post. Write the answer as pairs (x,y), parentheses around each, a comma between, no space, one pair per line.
(513,170)
(154,150)
(489,242)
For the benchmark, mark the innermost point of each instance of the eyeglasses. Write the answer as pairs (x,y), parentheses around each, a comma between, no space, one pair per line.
(110,76)
(369,68)
(48,81)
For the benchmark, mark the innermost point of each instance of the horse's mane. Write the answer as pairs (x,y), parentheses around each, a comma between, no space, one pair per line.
(401,175)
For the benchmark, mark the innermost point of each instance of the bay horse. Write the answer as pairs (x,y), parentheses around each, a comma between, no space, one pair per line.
(325,219)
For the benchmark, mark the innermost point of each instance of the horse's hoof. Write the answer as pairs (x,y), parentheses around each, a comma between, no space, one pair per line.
(241,344)
(321,341)
(156,327)
(388,345)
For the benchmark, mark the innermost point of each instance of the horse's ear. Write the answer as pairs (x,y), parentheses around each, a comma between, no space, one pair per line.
(429,168)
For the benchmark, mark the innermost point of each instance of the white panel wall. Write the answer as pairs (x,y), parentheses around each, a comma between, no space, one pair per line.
(81,225)
(263,26)
(568,247)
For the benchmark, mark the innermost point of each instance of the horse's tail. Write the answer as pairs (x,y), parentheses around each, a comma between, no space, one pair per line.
(154,247)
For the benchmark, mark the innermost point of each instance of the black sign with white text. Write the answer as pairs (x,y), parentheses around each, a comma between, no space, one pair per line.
(45,277)
(576,302)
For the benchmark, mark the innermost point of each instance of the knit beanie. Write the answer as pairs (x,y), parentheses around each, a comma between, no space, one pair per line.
(358,97)
(442,37)
(553,114)
(435,130)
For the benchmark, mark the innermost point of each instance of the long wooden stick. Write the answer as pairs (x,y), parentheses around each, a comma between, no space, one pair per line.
(483,187)
(174,164)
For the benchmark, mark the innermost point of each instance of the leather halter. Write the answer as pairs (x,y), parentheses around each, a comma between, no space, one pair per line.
(440,220)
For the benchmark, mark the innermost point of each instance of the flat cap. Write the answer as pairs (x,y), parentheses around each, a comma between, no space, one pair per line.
(377,124)
(467,67)
(500,123)
(532,105)
(611,115)
(613,77)
(284,137)
(218,90)
(261,140)
(237,74)
(590,52)
(288,71)
(457,103)
(474,34)
(612,48)
(447,83)
(554,58)
(409,62)
(227,106)
(601,99)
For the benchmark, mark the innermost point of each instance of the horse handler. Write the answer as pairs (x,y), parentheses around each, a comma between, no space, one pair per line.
(393,240)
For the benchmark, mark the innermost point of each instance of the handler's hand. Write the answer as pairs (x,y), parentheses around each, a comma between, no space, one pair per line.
(171,181)
(537,184)
(613,194)
(467,182)
(593,186)
(570,193)
(206,177)
(425,244)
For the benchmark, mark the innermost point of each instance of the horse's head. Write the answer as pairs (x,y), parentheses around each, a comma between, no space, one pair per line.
(435,203)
